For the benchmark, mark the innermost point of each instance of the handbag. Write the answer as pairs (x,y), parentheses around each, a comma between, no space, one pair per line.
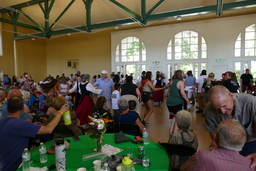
(120,137)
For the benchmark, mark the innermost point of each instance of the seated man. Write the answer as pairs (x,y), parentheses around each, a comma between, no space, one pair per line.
(24,115)
(127,117)
(230,139)
(15,133)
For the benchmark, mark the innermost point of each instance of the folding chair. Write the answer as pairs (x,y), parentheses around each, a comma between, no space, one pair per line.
(177,154)
(128,128)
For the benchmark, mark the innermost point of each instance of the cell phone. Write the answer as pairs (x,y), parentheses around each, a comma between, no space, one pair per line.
(76,139)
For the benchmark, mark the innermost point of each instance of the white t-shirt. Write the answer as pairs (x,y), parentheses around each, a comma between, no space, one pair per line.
(115,98)
(200,82)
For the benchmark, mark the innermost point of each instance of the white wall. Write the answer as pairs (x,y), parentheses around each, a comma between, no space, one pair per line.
(220,36)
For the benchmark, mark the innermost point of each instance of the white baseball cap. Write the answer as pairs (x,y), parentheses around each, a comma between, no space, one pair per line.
(104,72)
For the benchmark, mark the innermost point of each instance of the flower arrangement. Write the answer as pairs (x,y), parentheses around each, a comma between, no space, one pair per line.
(98,127)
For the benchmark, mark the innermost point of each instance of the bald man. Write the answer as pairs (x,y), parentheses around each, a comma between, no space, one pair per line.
(225,105)
(231,137)
(24,115)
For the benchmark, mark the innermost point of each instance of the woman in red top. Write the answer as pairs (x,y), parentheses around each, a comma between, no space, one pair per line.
(147,95)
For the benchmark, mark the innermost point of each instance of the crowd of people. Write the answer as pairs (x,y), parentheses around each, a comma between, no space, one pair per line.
(117,98)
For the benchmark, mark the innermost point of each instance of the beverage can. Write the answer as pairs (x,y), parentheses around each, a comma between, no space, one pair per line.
(141,152)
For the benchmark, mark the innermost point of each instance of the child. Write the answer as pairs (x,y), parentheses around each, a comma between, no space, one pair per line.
(115,98)
(63,87)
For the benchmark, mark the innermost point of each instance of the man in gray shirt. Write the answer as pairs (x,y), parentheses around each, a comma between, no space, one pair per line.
(225,105)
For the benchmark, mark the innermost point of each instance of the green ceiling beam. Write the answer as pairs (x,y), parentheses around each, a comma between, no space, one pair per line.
(143,8)
(136,16)
(35,23)
(46,16)
(22,5)
(14,16)
(201,9)
(152,10)
(88,5)
(219,10)
(51,5)
(77,29)
(41,6)
(149,18)
(62,13)
(19,24)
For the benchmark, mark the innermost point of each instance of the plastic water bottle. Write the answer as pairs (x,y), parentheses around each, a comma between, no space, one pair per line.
(25,160)
(105,167)
(67,118)
(145,137)
(42,152)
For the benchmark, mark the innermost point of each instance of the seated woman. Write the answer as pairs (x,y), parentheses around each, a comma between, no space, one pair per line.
(185,136)
(132,107)
(61,130)
(128,117)
(101,112)
(130,91)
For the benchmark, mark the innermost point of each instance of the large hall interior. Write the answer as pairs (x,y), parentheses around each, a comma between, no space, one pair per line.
(54,37)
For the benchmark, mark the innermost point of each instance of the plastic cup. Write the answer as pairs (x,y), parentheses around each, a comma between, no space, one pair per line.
(81,169)
(129,152)
(97,165)
(118,168)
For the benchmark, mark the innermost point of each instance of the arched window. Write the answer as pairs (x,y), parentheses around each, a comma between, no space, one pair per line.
(245,51)
(131,49)
(185,51)
(187,45)
(130,56)
(246,42)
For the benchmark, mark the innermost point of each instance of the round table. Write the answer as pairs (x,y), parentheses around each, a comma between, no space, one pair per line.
(156,153)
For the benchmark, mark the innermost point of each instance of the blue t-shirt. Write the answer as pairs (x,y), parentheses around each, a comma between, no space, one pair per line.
(6,80)
(24,115)
(129,117)
(106,86)
(190,81)
(14,136)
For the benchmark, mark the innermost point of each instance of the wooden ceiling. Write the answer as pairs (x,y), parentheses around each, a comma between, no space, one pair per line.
(47,18)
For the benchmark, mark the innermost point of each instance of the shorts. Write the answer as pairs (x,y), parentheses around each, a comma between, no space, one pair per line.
(175,109)
(190,93)
(145,96)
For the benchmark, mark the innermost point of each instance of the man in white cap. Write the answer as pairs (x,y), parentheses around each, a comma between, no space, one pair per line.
(107,85)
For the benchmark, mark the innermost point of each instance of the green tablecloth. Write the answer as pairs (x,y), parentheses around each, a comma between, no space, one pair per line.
(157,155)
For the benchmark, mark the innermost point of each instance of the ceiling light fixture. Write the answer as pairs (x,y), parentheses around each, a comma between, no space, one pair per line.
(179,17)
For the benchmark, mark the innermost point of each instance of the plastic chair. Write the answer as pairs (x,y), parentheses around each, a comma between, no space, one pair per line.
(128,128)
(177,154)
